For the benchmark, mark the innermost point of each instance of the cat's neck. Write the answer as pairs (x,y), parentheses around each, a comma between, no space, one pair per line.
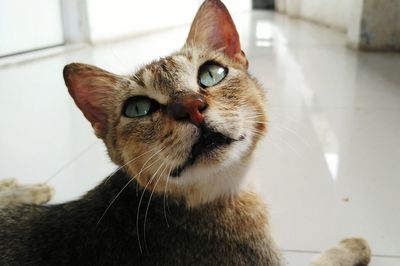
(203,185)
(225,189)
(240,210)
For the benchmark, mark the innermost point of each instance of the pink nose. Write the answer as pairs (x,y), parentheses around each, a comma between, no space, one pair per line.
(189,107)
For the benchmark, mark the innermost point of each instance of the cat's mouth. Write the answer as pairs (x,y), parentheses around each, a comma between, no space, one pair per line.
(208,141)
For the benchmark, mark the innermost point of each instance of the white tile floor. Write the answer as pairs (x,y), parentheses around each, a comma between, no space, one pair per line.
(329,169)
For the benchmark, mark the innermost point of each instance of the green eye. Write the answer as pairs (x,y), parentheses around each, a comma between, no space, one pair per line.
(211,74)
(139,106)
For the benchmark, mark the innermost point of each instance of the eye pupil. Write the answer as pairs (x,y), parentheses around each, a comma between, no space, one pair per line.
(210,74)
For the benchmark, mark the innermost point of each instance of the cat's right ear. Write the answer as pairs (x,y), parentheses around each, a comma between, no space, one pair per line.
(92,89)
(214,28)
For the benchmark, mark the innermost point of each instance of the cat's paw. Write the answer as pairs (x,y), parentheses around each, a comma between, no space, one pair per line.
(32,194)
(350,251)
(8,183)
(359,248)
(40,193)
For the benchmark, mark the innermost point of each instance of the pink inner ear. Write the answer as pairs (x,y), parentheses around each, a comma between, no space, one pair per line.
(86,101)
(91,88)
(224,34)
(213,27)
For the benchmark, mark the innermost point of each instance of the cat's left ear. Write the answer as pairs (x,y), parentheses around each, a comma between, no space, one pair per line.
(92,89)
(213,28)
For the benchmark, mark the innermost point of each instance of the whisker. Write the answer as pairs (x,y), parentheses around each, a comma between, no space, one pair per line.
(269,141)
(141,170)
(282,117)
(165,195)
(299,137)
(255,131)
(140,202)
(114,199)
(119,193)
(288,145)
(255,116)
(130,161)
(151,195)
(283,128)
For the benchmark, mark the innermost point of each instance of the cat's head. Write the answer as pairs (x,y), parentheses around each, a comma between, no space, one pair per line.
(186,124)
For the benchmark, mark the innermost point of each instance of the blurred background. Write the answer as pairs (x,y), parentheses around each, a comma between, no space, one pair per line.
(329,166)
(31,25)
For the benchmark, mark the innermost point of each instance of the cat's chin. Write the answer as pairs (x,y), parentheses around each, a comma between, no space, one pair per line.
(206,149)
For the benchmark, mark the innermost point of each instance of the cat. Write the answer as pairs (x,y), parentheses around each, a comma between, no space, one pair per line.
(182,130)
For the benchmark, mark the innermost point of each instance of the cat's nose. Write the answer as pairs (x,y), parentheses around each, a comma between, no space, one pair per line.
(189,107)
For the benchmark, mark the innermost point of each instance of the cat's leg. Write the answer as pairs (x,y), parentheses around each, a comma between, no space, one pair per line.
(8,183)
(25,194)
(349,252)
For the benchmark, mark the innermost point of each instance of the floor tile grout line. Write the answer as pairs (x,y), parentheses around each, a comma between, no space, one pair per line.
(67,164)
(317,252)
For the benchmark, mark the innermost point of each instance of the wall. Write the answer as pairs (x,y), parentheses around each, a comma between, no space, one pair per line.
(116,19)
(370,24)
(335,14)
(75,21)
(27,25)
(354,28)
(380,25)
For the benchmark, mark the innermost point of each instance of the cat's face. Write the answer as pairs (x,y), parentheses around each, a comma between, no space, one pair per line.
(185,124)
